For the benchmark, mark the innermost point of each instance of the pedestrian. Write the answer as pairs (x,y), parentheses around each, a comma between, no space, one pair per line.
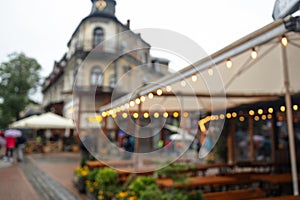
(20,144)
(2,142)
(10,146)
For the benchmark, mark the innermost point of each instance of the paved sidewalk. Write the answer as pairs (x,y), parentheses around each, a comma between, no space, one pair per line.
(14,185)
(40,176)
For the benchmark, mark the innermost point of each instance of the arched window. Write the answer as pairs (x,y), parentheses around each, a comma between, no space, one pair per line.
(98,36)
(96,76)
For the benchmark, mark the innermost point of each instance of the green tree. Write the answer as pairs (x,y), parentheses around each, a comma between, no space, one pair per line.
(19,77)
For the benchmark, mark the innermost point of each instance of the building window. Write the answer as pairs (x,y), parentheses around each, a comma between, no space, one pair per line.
(98,36)
(96,76)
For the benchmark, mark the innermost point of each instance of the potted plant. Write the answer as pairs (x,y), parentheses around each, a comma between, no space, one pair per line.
(80,177)
(107,183)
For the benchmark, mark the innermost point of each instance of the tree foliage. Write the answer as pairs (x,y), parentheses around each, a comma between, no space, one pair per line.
(19,77)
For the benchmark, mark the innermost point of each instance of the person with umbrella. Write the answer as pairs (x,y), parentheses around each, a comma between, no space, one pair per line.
(10,137)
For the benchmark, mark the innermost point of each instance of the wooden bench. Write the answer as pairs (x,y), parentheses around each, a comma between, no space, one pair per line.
(114,163)
(235,194)
(280,198)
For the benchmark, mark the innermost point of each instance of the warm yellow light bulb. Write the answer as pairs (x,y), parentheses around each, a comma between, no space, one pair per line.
(228,63)
(146,115)
(156,115)
(284,41)
(124,115)
(165,115)
(242,118)
(159,92)
(260,111)
(295,107)
(228,115)
(270,110)
(234,114)
(135,115)
(143,98)
(185,114)
(175,114)
(150,95)
(282,108)
(253,54)
(168,88)
(131,103)
(104,114)
(251,112)
(137,101)
(194,78)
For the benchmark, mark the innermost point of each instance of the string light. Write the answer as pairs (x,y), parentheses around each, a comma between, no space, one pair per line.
(143,98)
(175,114)
(210,71)
(137,101)
(282,108)
(194,78)
(270,110)
(269,116)
(185,114)
(131,103)
(228,115)
(165,115)
(253,54)
(114,115)
(135,115)
(156,115)
(260,111)
(146,115)
(228,63)
(159,92)
(104,114)
(263,117)
(242,118)
(251,112)
(124,115)
(150,95)
(256,118)
(284,41)
(168,88)
(295,107)
(222,116)
(234,114)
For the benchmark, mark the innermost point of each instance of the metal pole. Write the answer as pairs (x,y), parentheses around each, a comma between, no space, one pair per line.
(137,139)
(290,122)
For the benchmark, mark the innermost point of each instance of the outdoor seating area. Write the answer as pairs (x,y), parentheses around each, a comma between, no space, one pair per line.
(238,182)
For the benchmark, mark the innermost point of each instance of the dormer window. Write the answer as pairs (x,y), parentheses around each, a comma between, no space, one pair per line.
(98,36)
(96,76)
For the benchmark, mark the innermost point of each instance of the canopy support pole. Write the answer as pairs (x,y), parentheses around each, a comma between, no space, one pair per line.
(290,122)
(137,139)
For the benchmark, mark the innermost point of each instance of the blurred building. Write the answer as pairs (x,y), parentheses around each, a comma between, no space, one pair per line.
(98,57)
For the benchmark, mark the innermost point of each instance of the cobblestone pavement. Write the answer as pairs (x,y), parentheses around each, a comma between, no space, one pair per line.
(46,187)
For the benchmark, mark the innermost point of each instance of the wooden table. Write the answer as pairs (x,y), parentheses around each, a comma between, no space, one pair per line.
(273,178)
(280,198)
(204,181)
(114,163)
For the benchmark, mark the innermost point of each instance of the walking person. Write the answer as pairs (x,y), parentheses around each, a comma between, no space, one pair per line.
(10,146)
(20,144)
(2,142)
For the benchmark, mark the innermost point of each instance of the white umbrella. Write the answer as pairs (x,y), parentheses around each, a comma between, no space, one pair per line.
(12,133)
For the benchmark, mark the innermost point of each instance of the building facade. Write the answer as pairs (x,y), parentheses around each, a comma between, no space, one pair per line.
(101,52)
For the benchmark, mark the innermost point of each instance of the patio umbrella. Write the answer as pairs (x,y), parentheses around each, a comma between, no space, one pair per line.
(12,133)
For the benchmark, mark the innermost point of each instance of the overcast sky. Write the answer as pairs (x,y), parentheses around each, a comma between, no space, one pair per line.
(41,29)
